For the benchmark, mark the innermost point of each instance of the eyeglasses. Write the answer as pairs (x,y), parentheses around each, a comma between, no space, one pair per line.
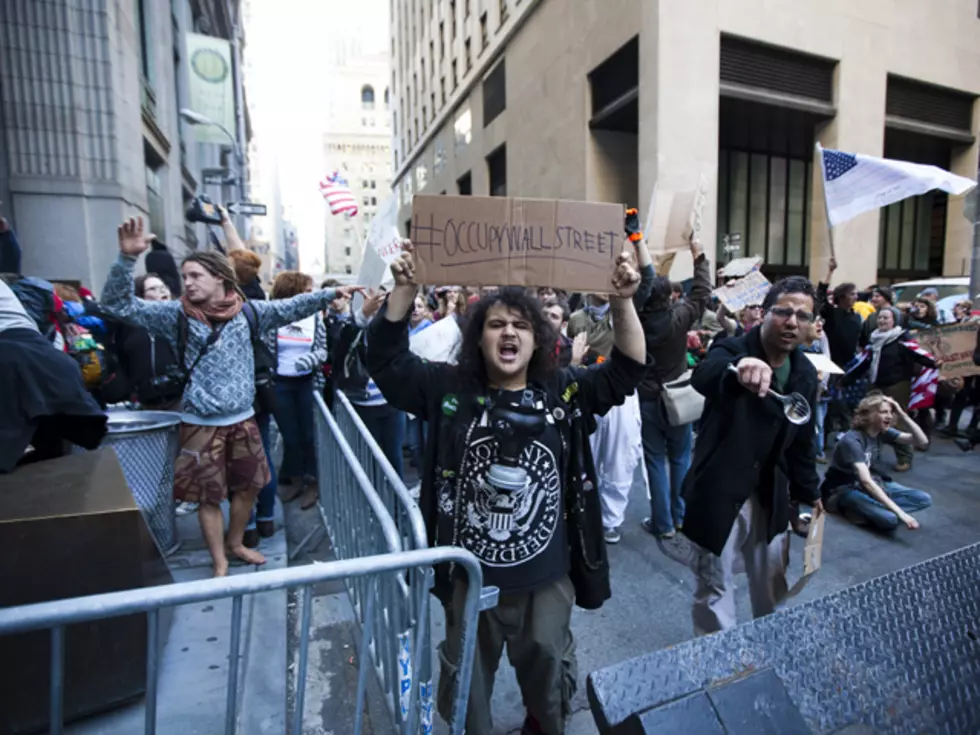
(784,312)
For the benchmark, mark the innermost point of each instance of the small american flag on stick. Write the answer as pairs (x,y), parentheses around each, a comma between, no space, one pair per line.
(338,195)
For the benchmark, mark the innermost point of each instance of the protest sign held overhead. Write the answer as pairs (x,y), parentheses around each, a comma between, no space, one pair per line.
(741,267)
(676,218)
(498,241)
(747,291)
(382,246)
(953,344)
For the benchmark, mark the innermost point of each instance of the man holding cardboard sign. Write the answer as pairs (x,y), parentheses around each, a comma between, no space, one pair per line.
(509,476)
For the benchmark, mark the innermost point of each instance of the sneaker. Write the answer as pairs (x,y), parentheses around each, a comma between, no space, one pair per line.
(648,527)
(185,509)
(415,491)
(612,536)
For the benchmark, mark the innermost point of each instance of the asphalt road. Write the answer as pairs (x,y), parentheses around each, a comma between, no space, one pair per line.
(651,600)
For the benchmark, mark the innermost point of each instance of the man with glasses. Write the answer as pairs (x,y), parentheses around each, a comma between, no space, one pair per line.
(750,462)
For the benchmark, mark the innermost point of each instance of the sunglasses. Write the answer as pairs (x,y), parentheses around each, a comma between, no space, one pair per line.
(784,312)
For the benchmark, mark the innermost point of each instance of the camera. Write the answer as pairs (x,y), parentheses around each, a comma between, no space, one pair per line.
(168,386)
(514,425)
(202,209)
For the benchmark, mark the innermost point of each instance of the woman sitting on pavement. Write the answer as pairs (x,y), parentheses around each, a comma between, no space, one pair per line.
(855,487)
(892,362)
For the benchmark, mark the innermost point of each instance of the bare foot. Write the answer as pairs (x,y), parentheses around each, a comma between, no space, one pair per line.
(221,568)
(247,555)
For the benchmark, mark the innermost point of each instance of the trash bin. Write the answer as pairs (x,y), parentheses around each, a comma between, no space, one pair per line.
(147,443)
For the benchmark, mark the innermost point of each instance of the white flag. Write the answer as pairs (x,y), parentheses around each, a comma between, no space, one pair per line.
(855,183)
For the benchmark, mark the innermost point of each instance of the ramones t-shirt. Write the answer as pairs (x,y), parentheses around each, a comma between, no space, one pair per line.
(519,537)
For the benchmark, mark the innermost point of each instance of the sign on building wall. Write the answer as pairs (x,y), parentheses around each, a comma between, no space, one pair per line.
(211,91)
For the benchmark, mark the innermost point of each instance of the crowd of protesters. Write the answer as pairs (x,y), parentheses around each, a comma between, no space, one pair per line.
(524,448)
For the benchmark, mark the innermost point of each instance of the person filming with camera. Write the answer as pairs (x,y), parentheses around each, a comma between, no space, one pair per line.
(214,333)
(508,475)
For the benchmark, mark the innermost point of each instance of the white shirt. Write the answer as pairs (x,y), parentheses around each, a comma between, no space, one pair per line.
(293,341)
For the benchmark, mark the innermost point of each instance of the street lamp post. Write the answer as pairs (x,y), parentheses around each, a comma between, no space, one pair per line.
(196,118)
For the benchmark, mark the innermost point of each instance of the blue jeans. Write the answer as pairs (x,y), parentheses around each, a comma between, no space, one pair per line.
(664,444)
(387,426)
(294,417)
(265,505)
(819,439)
(416,434)
(859,507)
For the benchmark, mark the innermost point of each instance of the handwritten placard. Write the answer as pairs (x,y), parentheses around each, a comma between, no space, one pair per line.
(382,246)
(954,345)
(439,342)
(741,267)
(499,241)
(744,292)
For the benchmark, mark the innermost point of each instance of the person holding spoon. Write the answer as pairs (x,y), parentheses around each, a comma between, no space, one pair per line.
(754,455)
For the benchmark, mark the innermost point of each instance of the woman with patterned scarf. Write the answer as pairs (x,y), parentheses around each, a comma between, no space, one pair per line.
(898,367)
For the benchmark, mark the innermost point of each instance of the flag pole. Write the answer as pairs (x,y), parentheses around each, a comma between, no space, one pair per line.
(826,205)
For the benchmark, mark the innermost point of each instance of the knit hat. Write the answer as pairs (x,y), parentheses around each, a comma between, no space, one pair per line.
(246,264)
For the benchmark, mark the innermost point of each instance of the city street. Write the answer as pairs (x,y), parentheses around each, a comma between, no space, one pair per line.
(650,607)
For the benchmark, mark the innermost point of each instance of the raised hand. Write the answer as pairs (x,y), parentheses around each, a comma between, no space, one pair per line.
(403,269)
(697,249)
(348,291)
(625,278)
(133,240)
(580,345)
(372,302)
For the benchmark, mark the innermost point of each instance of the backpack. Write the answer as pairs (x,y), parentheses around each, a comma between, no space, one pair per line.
(89,355)
(264,358)
(37,297)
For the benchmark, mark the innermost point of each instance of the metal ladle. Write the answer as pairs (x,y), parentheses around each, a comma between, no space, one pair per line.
(795,406)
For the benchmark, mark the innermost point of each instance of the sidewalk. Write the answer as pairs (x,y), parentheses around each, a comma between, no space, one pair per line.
(194,655)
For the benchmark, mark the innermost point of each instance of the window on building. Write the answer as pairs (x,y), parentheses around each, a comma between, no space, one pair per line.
(348,269)
(364,184)
(452,18)
(466,8)
(463,128)
(497,171)
(367,97)
(504,11)
(347,251)
(425,116)
(464,185)
(154,197)
(433,101)
(442,89)
(374,201)
(455,76)
(365,200)
(408,228)
(442,40)
(374,184)
(423,75)
(432,55)
(484,34)
(146,60)
(467,55)
(494,93)
(439,155)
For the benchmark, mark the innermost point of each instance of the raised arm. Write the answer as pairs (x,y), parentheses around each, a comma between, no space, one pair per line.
(119,300)
(232,239)
(280,312)
(700,295)
(915,436)
(403,377)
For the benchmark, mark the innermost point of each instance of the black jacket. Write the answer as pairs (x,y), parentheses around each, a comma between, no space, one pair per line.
(253,290)
(740,434)
(898,364)
(666,332)
(147,369)
(843,328)
(438,394)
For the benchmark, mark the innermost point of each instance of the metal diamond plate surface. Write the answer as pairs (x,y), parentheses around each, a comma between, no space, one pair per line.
(898,654)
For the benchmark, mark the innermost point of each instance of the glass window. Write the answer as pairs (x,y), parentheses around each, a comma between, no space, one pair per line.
(440,156)
(739,184)
(421,176)
(758,186)
(407,190)
(796,211)
(777,210)
(463,128)
(367,97)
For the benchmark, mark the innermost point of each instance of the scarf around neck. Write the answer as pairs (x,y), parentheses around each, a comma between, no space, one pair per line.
(878,340)
(216,313)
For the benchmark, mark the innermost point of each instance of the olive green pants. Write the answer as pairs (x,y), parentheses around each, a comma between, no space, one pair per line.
(535,628)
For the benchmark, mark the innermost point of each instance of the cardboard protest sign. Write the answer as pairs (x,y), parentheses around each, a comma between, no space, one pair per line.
(744,292)
(439,342)
(812,553)
(741,267)
(382,246)
(954,345)
(676,218)
(823,364)
(499,241)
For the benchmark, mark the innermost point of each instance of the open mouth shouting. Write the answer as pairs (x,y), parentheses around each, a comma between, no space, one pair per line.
(508,351)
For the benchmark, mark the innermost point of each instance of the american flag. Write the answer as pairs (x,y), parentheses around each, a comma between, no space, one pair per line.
(338,195)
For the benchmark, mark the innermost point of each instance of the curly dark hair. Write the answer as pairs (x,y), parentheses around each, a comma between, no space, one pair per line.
(471,363)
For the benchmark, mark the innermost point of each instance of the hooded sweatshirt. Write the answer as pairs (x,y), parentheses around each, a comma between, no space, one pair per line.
(221,389)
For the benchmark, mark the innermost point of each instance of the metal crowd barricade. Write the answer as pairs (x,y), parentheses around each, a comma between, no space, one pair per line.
(61,613)
(414,640)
